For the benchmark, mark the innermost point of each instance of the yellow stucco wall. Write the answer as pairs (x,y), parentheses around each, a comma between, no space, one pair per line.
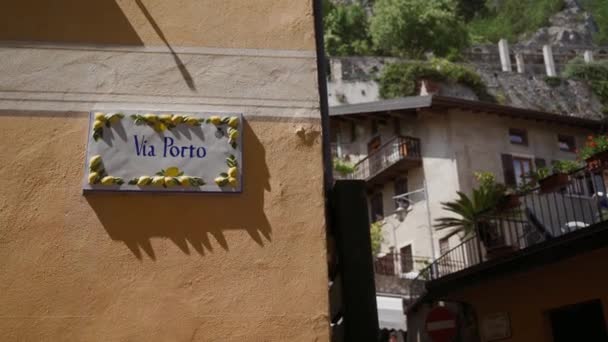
(528,296)
(170,267)
(263,24)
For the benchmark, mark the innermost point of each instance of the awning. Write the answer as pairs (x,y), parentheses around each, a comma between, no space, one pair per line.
(390,313)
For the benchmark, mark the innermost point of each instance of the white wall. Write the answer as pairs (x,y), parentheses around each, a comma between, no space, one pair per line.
(454,144)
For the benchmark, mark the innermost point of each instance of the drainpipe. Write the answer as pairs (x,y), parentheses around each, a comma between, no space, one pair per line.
(429,220)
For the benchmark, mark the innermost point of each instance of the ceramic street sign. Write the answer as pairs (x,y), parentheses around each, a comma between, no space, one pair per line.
(164,152)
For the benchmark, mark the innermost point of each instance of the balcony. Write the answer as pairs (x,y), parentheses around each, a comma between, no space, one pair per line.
(540,219)
(392,158)
(393,272)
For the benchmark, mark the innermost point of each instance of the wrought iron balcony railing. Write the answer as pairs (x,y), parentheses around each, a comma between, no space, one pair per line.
(394,156)
(395,264)
(538,217)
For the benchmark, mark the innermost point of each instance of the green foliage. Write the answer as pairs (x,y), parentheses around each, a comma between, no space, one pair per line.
(511,18)
(346,30)
(376,236)
(599,9)
(594,73)
(566,166)
(483,201)
(412,27)
(469,9)
(342,167)
(553,81)
(593,145)
(540,173)
(399,79)
(486,180)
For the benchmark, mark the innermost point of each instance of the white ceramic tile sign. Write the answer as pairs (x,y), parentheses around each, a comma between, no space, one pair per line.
(164,152)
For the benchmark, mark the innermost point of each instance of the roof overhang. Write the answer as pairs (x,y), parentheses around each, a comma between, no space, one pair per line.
(414,104)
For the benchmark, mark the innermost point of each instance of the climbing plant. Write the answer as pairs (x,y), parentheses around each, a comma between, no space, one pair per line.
(399,79)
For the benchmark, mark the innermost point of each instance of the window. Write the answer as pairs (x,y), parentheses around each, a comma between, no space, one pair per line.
(397,126)
(377,208)
(334,128)
(353,132)
(385,265)
(407,259)
(522,168)
(587,184)
(566,143)
(518,136)
(374,127)
(400,189)
(569,322)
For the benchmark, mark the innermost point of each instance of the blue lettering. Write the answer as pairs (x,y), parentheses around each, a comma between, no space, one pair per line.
(171,150)
(168,143)
(204,152)
(174,150)
(139,149)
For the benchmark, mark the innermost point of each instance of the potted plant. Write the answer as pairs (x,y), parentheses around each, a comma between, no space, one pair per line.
(595,152)
(473,213)
(508,201)
(343,168)
(556,180)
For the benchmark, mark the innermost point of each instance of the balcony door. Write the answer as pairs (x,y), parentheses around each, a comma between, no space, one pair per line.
(375,161)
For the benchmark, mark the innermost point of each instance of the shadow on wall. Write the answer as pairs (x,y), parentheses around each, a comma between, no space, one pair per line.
(190,219)
(69,21)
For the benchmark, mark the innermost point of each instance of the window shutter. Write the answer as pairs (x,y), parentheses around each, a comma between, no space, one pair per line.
(508,171)
(539,162)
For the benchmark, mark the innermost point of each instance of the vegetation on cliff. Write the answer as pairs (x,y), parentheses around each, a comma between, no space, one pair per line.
(412,27)
(512,18)
(594,73)
(443,27)
(599,9)
(400,79)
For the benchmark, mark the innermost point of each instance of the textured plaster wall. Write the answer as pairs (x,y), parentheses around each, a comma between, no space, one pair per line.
(258,24)
(485,137)
(135,267)
(527,297)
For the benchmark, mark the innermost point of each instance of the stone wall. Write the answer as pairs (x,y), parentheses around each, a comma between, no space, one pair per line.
(353,80)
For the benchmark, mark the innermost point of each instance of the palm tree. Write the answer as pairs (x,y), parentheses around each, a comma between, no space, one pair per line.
(483,202)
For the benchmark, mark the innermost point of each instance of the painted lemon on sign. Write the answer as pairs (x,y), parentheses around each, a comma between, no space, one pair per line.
(144,180)
(216,120)
(95,163)
(172,171)
(93,177)
(100,116)
(158,181)
(233,122)
(170,177)
(233,171)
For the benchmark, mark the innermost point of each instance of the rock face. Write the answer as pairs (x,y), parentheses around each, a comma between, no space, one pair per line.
(353,81)
(571,26)
(572,98)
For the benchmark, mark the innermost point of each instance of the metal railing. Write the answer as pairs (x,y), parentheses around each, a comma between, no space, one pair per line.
(396,149)
(396,263)
(538,217)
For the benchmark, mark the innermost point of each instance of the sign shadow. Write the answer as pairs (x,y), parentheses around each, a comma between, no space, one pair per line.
(190,221)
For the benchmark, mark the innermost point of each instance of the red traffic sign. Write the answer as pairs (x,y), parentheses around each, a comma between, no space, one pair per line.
(441,324)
